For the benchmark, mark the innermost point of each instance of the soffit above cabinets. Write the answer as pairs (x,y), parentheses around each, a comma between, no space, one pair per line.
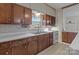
(58,5)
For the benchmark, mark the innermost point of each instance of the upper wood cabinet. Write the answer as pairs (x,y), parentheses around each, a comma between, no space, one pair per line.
(5,13)
(28,16)
(15,14)
(52,20)
(49,20)
(18,14)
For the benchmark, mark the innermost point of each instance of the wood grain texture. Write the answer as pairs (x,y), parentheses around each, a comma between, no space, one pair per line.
(5,13)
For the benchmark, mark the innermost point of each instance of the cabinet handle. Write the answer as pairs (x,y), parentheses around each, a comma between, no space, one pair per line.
(7,53)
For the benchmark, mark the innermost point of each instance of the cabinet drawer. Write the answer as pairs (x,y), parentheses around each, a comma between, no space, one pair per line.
(4,45)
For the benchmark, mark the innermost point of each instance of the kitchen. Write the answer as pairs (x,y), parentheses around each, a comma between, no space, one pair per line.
(36,28)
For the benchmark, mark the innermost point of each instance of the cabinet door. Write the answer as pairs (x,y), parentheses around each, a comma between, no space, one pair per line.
(65,37)
(44,20)
(18,13)
(47,20)
(71,36)
(43,42)
(28,16)
(40,43)
(5,13)
(5,51)
(50,39)
(46,40)
(52,20)
(18,48)
(32,45)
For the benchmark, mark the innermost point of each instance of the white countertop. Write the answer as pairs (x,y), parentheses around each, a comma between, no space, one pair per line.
(15,36)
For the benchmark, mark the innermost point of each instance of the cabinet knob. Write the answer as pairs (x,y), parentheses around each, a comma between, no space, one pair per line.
(6,52)
(25,46)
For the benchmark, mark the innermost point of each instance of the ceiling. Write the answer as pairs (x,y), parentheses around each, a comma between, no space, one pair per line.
(58,5)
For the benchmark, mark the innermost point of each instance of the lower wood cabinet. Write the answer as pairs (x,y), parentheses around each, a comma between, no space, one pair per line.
(68,37)
(19,47)
(19,50)
(50,39)
(43,42)
(65,37)
(32,45)
(40,43)
(26,46)
(6,51)
(5,48)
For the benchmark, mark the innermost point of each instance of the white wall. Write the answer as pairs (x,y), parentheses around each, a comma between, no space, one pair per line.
(40,7)
(71,14)
(59,22)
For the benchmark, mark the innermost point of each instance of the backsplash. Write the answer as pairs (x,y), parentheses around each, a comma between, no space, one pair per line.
(11,28)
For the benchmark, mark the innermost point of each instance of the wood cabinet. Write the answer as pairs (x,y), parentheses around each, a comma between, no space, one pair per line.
(6,51)
(50,39)
(52,22)
(27,16)
(64,37)
(68,37)
(49,20)
(71,36)
(18,14)
(19,48)
(43,42)
(5,13)
(5,48)
(26,46)
(32,45)
(15,14)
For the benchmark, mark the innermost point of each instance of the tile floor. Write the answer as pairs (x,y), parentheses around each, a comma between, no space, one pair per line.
(59,49)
